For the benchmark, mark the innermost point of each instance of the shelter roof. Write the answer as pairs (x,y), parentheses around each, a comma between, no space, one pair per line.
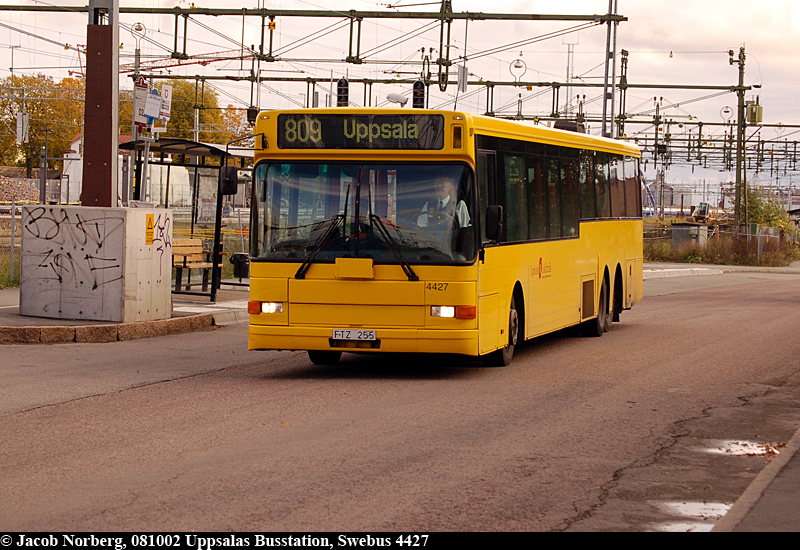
(175,146)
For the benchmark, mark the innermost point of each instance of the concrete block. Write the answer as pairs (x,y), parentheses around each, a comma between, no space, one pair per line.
(94,334)
(205,320)
(99,264)
(19,335)
(177,325)
(56,335)
(130,331)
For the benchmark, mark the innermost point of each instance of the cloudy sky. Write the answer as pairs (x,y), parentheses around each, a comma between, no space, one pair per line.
(676,42)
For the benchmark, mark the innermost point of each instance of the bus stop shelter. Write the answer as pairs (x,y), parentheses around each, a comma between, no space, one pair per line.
(184,175)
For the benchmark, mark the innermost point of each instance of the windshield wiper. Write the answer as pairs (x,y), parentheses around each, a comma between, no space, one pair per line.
(392,244)
(376,221)
(323,240)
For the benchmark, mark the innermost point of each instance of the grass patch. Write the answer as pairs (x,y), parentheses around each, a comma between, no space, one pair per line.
(5,268)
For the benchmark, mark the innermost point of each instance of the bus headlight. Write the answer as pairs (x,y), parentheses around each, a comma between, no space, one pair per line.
(271,307)
(254,307)
(443,311)
(458,312)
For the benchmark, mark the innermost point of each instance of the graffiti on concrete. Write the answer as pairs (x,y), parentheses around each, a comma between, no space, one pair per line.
(162,237)
(73,247)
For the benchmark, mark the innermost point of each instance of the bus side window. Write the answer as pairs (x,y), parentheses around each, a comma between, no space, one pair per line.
(602,186)
(617,187)
(633,193)
(516,206)
(486,179)
(537,198)
(570,211)
(553,198)
(587,186)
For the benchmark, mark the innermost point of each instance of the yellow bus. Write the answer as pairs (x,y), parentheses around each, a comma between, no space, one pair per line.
(426,231)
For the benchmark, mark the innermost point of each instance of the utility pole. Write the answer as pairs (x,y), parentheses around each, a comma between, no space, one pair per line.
(138,31)
(740,197)
(611,47)
(101,143)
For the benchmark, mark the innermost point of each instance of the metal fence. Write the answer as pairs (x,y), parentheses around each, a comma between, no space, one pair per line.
(234,234)
(14,193)
(10,244)
(750,243)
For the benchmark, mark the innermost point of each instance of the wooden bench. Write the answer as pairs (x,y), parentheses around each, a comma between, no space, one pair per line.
(188,254)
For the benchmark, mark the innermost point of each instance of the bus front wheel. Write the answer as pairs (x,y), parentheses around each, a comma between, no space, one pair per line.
(502,357)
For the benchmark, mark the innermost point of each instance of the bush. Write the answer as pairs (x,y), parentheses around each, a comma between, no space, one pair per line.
(725,250)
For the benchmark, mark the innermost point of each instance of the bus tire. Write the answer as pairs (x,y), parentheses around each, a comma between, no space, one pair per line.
(611,307)
(503,356)
(597,326)
(619,294)
(320,357)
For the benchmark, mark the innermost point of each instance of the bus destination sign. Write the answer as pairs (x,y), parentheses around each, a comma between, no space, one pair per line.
(347,131)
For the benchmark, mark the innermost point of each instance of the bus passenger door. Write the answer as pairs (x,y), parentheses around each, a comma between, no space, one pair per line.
(490,274)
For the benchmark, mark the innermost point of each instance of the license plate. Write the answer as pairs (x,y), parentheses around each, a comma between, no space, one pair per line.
(354,334)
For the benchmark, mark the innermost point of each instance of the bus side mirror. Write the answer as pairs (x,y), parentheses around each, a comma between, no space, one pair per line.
(228,180)
(494,222)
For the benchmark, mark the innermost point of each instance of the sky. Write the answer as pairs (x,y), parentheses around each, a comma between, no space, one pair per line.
(682,42)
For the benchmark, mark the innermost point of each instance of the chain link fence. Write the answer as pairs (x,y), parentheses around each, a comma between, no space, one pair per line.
(751,244)
(13,194)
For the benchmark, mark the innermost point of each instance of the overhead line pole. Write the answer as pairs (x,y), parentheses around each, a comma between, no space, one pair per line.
(740,207)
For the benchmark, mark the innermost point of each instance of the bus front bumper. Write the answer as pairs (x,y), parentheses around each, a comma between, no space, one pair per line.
(406,340)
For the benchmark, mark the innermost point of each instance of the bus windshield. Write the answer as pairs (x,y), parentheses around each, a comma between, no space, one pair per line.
(316,212)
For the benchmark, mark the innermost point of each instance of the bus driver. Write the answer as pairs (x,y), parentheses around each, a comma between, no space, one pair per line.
(445,207)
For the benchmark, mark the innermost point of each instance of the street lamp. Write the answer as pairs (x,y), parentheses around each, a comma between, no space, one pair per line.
(397,98)
(515,67)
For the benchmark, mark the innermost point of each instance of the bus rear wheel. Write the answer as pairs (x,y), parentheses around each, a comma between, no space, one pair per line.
(597,326)
(502,357)
(322,357)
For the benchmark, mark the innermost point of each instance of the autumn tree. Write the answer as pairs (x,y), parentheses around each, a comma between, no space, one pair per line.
(235,125)
(56,116)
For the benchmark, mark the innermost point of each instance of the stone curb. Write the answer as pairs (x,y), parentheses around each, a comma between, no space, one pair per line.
(694,271)
(680,272)
(94,334)
(745,503)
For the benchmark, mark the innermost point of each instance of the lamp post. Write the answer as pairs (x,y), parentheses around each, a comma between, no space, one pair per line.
(518,68)
(138,30)
(740,206)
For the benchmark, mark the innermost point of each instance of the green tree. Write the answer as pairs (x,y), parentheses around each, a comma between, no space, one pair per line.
(185,95)
(766,211)
(56,116)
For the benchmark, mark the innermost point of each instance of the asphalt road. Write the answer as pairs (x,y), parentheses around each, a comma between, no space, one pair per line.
(192,432)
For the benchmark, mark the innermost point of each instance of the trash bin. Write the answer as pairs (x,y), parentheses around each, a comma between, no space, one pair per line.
(241,265)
